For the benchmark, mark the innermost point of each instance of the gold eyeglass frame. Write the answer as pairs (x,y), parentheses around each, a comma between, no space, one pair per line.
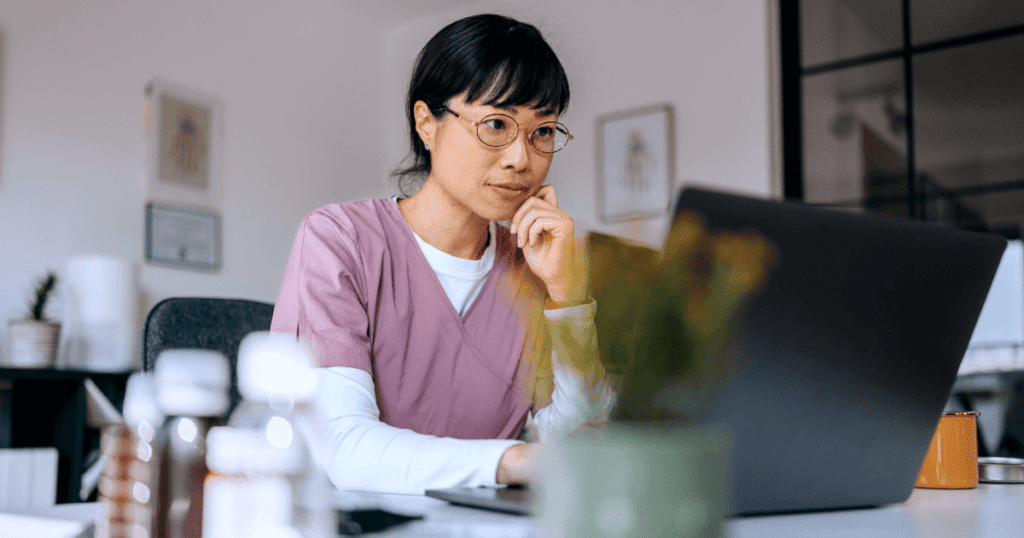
(477,124)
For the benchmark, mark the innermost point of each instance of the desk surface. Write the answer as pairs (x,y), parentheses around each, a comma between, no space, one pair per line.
(989,511)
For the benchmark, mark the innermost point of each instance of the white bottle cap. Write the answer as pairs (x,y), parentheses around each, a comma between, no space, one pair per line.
(140,404)
(232,450)
(192,382)
(274,367)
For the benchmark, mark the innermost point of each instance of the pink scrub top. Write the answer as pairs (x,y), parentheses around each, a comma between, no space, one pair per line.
(358,288)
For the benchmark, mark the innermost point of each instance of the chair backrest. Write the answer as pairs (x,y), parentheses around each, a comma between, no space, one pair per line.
(203,323)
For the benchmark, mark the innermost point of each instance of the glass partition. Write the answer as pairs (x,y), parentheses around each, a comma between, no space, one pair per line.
(854,135)
(935,20)
(923,120)
(832,30)
(969,128)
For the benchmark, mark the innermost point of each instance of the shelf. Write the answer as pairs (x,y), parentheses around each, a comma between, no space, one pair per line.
(47,407)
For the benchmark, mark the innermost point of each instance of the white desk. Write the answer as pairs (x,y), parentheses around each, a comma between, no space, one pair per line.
(441,518)
(990,511)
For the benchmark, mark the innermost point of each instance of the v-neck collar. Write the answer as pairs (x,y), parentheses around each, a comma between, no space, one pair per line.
(441,294)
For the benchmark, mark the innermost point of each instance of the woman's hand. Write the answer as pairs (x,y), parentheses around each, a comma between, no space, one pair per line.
(517,464)
(547,236)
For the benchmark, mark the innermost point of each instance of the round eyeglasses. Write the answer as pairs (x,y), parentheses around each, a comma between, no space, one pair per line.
(499,130)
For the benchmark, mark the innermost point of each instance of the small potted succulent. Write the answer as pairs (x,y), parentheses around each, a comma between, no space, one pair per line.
(34,338)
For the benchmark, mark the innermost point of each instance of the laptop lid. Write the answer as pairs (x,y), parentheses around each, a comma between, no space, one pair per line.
(845,360)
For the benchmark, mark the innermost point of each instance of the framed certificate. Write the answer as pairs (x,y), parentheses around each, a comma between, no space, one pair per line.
(183,237)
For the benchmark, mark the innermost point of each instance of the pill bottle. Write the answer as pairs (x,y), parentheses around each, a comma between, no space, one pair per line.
(131,462)
(248,491)
(192,392)
(277,381)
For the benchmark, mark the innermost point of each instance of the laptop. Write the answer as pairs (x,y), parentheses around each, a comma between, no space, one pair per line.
(511,500)
(844,361)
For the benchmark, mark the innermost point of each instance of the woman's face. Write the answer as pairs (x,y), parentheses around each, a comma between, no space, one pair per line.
(491,182)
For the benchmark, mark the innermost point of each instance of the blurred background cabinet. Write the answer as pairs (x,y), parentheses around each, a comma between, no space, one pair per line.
(48,408)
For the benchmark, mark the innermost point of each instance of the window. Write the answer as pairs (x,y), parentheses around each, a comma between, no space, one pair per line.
(910,108)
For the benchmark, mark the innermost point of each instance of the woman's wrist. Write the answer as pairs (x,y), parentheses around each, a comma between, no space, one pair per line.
(562,297)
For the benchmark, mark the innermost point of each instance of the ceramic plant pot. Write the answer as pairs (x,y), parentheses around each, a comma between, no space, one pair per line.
(636,482)
(33,343)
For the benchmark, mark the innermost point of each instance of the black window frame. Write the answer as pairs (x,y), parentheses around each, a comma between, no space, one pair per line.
(792,73)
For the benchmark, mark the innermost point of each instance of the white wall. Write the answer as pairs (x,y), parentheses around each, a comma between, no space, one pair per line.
(707,58)
(311,89)
(300,83)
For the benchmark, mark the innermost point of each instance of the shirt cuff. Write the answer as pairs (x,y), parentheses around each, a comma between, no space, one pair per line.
(583,311)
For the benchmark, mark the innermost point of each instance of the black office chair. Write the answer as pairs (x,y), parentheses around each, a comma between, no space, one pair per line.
(203,323)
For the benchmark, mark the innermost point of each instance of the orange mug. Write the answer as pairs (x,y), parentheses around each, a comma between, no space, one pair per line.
(952,460)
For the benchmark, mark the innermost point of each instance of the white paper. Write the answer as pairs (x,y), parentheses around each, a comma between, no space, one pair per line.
(18,526)
(28,478)
(99,412)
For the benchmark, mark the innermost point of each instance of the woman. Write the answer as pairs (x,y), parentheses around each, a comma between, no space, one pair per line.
(439,330)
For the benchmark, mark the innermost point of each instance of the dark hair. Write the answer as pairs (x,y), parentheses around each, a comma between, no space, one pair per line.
(496,61)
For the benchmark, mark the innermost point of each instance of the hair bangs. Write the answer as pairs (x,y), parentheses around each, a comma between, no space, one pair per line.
(534,79)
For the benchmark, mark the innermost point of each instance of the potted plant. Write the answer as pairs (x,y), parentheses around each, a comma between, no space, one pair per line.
(34,338)
(660,462)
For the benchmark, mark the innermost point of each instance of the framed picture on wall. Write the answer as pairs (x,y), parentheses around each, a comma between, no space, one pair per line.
(635,163)
(183,143)
(183,237)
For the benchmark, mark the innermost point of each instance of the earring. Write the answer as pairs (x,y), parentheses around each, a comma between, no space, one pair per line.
(426,146)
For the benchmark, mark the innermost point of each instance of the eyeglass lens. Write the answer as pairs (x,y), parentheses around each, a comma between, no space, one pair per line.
(498,130)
